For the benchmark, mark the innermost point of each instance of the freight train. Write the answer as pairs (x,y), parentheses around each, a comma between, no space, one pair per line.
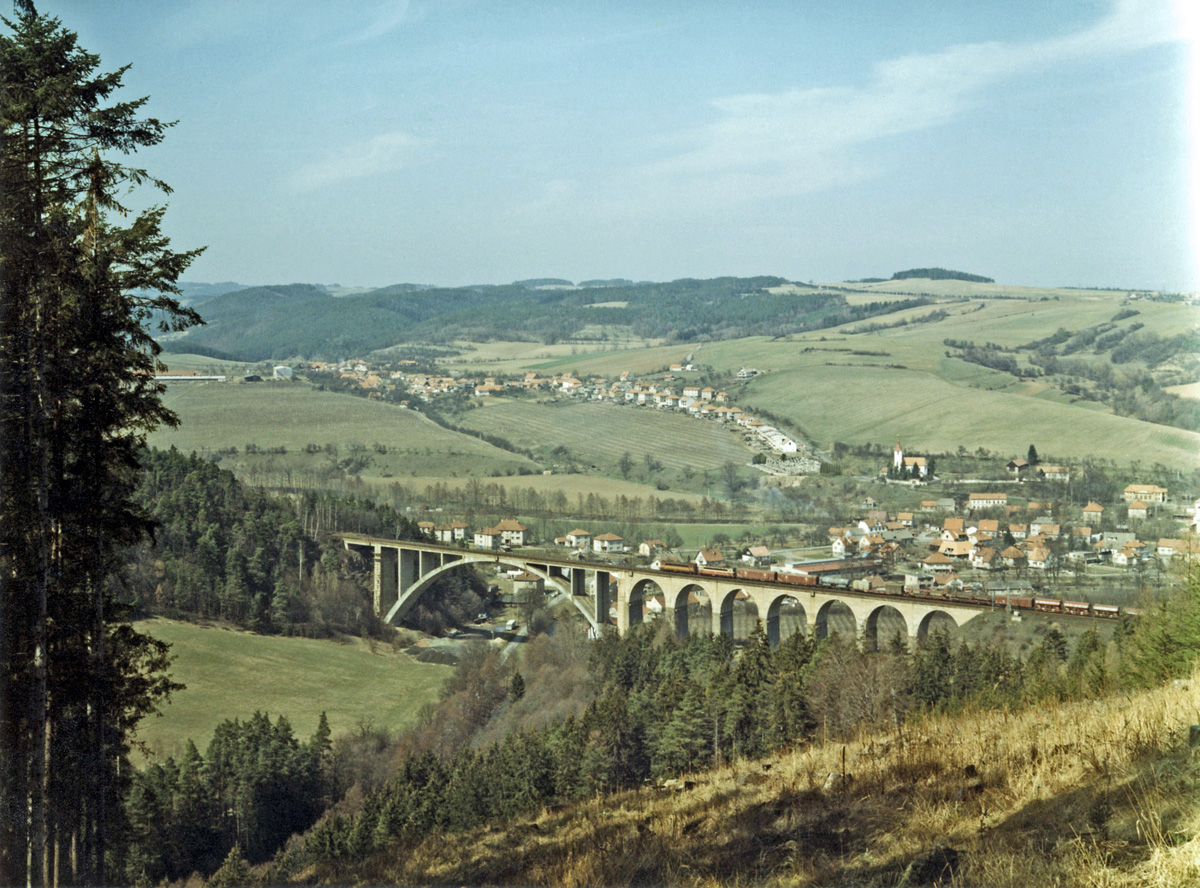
(1016,602)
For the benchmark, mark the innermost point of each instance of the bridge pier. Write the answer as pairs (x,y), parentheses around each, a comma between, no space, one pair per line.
(604,601)
(385,587)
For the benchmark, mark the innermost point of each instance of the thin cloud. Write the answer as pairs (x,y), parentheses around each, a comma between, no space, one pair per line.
(390,16)
(804,140)
(384,153)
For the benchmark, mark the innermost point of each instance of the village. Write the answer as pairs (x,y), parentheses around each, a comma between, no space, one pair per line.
(403,383)
(982,544)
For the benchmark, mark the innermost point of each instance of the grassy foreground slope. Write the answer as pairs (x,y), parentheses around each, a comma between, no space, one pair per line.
(231,674)
(1086,794)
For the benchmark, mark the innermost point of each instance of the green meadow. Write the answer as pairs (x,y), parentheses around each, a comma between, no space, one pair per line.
(292,415)
(233,674)
(599,433)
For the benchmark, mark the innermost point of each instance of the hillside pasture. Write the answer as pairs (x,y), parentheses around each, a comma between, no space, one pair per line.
(878,404)
(293,415)
(598,433)
(232,674)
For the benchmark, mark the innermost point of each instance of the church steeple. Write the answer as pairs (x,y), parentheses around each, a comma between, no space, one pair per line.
(898,455)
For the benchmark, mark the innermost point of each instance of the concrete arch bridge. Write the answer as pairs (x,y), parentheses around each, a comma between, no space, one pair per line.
(405,569)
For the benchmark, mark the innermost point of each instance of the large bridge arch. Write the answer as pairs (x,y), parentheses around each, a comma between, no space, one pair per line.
(882,626)
(692,609)
(408,600)
(935,619)
(739,613)
(785,617)
(641,592)
(836,616)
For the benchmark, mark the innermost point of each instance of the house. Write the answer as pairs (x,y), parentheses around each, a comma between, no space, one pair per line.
(1093,512)
(579,538)
(710,557)
(956,548)
(1146,493)
(905,518)
(1168,548)
(443,533)
(426,527)
(526,583)
(1045,527)
(989,525)
(937,563)
(1017,467)
(757,555)
(512,533)
(843,546)
(650,548)
(1018,531)
(1040,558)
(986,558)
(1138,510)
(954,525)
(1126,557)
(986,500)
(608,543)
(459,531)
(948,582)
(1055,473)
(487,538)
(1013,557)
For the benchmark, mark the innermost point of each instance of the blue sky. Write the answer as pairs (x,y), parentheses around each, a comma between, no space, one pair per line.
(372,143)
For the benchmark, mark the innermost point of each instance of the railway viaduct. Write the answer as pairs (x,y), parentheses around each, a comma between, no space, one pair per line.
(405,569)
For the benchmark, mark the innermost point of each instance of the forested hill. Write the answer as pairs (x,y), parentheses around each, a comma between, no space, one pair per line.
(941,274)
(302,320)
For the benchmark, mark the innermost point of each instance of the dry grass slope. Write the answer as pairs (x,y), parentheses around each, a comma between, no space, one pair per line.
(1086,794)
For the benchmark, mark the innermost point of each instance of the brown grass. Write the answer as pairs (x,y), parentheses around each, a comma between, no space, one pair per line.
(1087,794)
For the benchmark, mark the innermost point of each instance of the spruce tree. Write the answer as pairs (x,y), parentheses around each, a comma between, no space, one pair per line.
(77,398)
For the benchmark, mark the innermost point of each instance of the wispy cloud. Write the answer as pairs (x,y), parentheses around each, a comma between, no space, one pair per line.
(811,139)
(388,17)
(384,153)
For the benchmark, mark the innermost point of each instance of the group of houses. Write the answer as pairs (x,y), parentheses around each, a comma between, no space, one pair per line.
(666,393)
(1024,538)
(508,533)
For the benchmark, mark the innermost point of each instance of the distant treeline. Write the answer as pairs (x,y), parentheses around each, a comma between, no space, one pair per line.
(941,274)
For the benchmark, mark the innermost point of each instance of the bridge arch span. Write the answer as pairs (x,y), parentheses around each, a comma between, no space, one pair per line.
(639,594)
(692,607)
(836,616)
(739,612)
(934,619)
(882,626)
(785,617)
(412,595)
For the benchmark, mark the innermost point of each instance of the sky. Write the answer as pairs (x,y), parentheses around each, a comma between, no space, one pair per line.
(452,143)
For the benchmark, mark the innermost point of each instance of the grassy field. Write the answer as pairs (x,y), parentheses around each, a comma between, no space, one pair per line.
(293,415)
(231,674)
(597,433)
(571,485)
(212,366)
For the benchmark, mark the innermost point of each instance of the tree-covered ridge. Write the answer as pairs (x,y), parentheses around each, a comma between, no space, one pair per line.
(941,274)
(224,550)
(276,323)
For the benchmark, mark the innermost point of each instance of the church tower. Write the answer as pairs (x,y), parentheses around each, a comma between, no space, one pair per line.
(898,456)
